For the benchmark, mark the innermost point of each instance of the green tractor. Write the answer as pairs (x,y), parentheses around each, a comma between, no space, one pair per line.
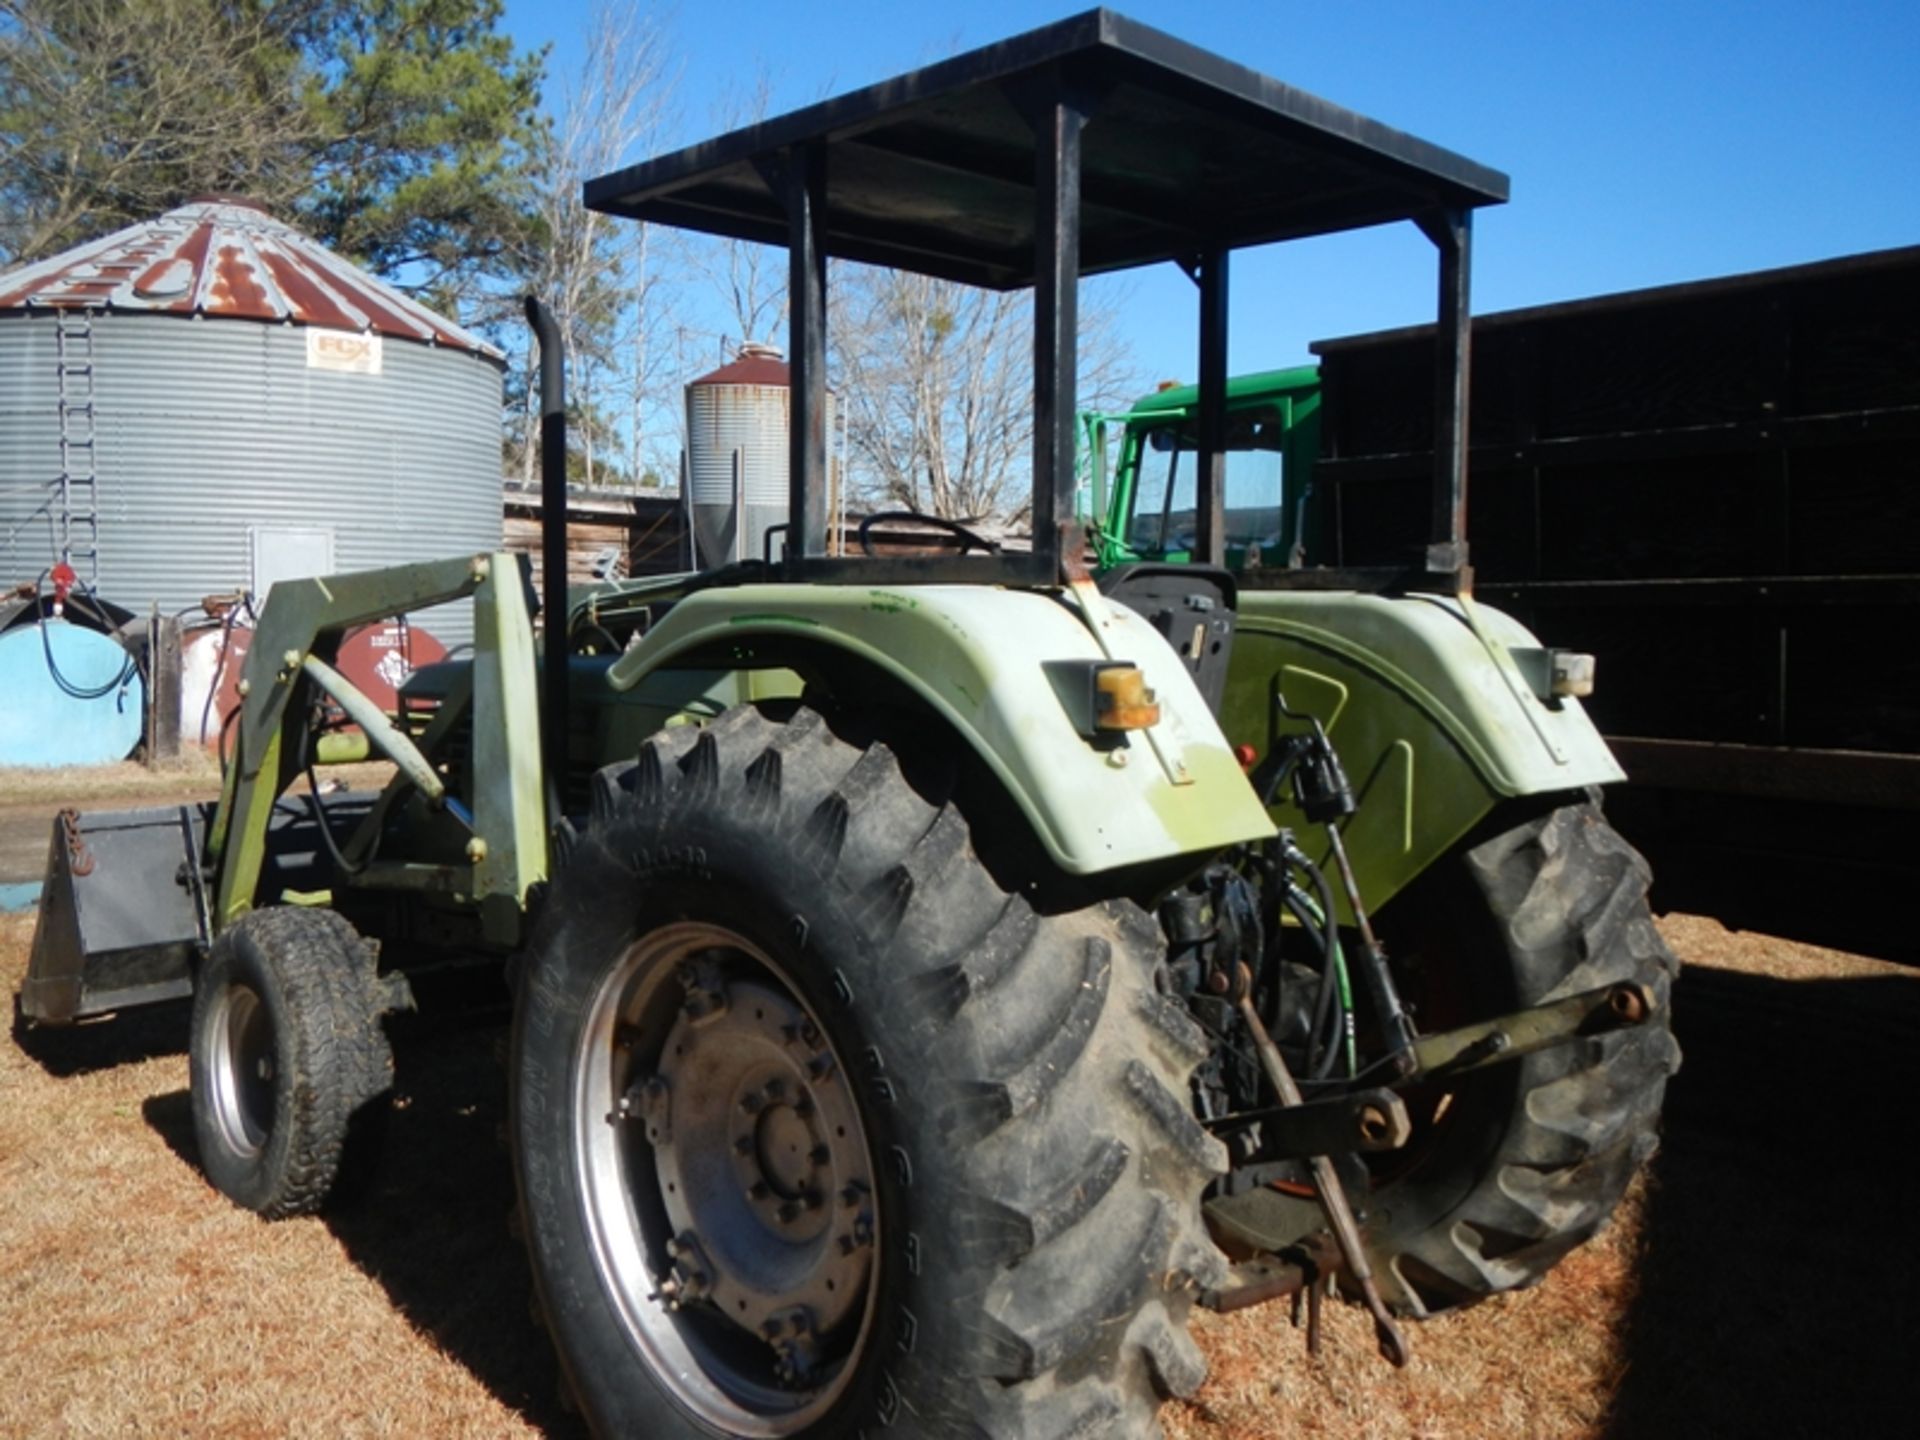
(1474,831)
(1449,710)
(918,1007)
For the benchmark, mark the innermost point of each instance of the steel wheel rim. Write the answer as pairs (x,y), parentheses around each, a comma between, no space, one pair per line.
(709,1105)
(244,1069)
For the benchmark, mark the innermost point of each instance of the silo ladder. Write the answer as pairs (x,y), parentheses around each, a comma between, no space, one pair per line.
(79,528)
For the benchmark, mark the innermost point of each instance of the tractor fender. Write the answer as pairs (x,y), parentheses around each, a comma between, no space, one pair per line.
(999,666)
(1433,704)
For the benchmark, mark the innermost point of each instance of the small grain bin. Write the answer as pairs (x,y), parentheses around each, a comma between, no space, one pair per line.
(737,455)
(211,401)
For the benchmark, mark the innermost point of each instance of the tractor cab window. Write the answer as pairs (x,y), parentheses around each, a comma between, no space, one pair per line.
(1163,497)
(1164,507)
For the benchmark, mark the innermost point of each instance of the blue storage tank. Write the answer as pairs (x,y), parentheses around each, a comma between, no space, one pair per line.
(73,696)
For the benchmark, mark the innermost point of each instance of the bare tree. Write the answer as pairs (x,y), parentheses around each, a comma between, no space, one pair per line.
(749,280)
(936,381)
(111,112)
(601,275)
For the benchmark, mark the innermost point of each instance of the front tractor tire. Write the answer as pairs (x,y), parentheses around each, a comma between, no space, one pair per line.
(817,1130)
(1513,1166)
(289,1064)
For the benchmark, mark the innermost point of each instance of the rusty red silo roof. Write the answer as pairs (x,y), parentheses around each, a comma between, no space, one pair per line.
(755,365)
(224,257)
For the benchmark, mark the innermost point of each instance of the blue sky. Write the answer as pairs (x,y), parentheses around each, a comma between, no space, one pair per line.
(1648,143)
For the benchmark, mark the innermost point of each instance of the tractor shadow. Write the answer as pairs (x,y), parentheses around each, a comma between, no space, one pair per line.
(64,1051)
(170,1116)
(429,1219)
(1777,1280)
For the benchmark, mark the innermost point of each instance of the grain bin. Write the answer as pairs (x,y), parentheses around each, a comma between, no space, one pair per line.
(737,455)
(210,401)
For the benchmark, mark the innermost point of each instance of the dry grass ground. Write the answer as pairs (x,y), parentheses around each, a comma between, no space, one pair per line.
(135,1301)
(129,782)
(1758,1283)
(193,774)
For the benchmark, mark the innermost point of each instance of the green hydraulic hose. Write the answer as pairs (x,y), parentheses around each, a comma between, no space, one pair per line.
(1337,958)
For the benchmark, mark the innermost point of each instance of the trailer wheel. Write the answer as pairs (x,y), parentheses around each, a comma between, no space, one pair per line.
(817,1130)
(1510,1168)
(288,1059)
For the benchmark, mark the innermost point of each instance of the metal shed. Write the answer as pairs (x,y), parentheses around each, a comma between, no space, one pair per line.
(210,400)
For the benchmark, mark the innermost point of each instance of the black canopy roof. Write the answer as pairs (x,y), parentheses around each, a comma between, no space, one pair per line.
(934,171)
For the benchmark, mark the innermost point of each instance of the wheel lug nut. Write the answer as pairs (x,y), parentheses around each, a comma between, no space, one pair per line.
(758,1190)
(852,1193)
(820,1154)
(812,1199)
(753,1102)
(743,1145)
(789,1211)
(706,991)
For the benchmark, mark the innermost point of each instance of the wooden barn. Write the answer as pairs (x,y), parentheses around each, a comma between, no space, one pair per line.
(610,534)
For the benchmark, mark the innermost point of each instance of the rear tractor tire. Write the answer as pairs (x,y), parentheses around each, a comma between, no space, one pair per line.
(1514,1166)
(289,1063)
(818,1131)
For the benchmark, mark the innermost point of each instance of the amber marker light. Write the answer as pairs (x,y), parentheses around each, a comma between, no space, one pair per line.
(1122,700)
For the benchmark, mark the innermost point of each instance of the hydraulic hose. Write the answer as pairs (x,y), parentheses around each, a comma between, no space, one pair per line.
(1337,984)
(82,692)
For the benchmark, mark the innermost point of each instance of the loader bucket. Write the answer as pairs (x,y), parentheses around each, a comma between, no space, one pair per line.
(122,914)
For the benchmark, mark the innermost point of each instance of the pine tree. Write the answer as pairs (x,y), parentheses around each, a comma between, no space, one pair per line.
(394,131)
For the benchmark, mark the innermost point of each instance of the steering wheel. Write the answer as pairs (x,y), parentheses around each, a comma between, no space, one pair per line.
(969,539)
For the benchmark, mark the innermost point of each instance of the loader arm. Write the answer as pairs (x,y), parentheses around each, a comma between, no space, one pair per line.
(300,629)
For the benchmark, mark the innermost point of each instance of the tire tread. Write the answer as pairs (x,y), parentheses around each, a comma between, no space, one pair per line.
(320,982)
(1065,1211)
(1568,896)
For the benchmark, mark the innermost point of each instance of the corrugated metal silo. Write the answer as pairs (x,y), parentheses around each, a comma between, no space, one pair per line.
(737,455)
(211,401)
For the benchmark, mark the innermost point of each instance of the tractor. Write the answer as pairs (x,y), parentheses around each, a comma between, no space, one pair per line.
(922,1000)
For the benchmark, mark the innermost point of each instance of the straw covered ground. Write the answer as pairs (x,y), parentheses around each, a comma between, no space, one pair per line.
(1756,1284)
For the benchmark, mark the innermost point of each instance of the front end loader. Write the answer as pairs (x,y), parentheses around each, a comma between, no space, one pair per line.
(918,1010)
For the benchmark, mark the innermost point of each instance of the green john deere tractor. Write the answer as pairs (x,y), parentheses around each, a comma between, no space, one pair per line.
(918,1008)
